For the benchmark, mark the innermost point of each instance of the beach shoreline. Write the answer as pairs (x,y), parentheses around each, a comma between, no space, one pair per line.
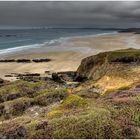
(68,55)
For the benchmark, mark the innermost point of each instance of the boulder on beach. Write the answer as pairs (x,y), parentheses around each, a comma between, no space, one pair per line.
(23,61)
(41,60)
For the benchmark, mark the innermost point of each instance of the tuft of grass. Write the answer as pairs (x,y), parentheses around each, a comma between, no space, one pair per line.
(15,107)
(132,113)
(47,97)
(55,113)
(73,101)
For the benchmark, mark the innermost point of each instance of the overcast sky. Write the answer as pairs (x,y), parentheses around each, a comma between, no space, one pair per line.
(70,14)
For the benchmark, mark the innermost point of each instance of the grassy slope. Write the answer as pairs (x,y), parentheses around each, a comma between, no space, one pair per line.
(74,115)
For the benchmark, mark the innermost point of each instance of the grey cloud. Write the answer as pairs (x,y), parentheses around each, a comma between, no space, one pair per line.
(87,14)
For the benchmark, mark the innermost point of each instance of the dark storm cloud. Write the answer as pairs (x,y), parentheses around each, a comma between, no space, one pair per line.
(77,14)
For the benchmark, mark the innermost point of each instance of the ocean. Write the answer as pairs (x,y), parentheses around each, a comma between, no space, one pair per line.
(22,39)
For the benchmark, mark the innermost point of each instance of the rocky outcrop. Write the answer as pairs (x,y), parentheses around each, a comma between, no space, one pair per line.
(23,61)
(67,75)
(94,67)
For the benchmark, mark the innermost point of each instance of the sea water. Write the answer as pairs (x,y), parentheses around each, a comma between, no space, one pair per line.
(22,39)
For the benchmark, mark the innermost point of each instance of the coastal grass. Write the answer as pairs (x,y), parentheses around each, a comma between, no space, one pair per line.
(20,89)
(47,97)
(70,105)
(96,123)
(15,107)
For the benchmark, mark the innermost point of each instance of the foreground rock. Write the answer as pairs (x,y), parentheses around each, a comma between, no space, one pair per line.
(3,82)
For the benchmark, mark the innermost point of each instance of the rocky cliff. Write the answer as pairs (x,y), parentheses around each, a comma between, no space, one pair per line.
(114,69)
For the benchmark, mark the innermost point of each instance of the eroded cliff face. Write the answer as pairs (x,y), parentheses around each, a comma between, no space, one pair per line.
(93,67)
(112,70)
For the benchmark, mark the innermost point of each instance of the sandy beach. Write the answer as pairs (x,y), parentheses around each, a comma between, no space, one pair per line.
(68,55)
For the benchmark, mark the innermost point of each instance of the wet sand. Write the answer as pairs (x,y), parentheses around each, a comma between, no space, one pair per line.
(68,55)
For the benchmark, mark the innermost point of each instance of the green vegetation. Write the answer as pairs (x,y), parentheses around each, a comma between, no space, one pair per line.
(68,106)
(73,101)
(98,123)
(20,89)
(75,116)
(15,107)
(47,97)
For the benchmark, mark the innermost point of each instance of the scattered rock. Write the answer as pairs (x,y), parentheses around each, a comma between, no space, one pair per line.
(23,61)
(7,60)
(57,78)
(41,60)
(36,111)
(67,75)
(8,75)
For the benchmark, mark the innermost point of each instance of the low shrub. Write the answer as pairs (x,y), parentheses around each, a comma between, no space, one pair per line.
(15,107)
(20,89)
(39,129)
(73,101)
(47,97)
